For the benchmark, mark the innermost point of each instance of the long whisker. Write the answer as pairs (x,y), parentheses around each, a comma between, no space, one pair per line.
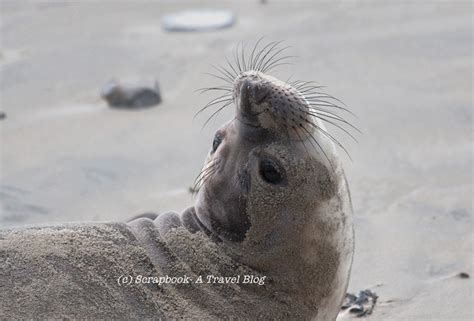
(262,51)
(299,137)
(334,124)
(325,133)
(215,113)
(319,145)
(263,59)
(324,116)
(207,170)
(203,90)
(224,72)
(275,54)
(218,100)
(317,103)
(252,57)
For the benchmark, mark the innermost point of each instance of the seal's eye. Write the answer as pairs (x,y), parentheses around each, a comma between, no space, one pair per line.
(217,141)
(270,172)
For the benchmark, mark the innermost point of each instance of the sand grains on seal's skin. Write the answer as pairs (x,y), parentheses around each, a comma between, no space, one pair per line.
(58,270)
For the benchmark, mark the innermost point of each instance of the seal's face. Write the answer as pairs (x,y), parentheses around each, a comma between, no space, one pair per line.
(265,178)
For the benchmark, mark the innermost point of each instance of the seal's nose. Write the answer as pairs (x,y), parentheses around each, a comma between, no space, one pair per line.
(252,93)
(265,102)
(257,90)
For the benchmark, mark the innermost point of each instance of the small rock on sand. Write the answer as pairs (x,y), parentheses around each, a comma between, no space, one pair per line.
(3,115)
(131,96)
(360,305)
(198,20)
(463,275)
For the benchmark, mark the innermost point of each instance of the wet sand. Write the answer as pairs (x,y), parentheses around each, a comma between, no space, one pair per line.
(404,69)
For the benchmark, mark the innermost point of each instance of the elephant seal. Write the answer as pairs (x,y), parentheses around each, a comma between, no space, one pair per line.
(270,235)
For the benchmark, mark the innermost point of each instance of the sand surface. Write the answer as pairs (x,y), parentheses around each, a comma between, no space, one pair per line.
(404,68)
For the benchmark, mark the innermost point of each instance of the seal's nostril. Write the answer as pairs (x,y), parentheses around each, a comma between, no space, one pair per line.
(259,92)
(253,89)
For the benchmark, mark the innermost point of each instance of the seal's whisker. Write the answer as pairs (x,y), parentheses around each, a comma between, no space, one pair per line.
(321,94)
(317,98)
(325,133)
(274,56)
(216,112)
(243,56)
(280,64)
(232,67)
(287,82)
(199,176)
(336,125)
(322,116)
(203,90)
(207,170)
(269,58)
(209,167)
(219,77)
(319,146)
(230,71)
(304,85)
(318,103)
(268,51)
(252,57)
(218,100)
(262,51)
(299,137)
(288,138)
(225,98)
(236,59)
(208,175)
(224,72)
(322,111)
(227,102)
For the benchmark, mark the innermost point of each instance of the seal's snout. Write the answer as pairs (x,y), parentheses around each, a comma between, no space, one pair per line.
(256,90)
(268,103)
(252,94)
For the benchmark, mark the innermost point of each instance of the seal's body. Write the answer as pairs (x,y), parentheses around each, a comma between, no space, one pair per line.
(269,206)
(81,271)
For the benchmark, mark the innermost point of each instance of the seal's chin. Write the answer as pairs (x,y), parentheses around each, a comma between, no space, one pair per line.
(222,223)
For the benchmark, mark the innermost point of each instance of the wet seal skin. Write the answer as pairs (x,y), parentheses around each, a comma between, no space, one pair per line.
(272,203)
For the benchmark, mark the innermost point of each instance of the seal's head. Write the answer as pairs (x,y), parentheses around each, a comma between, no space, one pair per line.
(274,192)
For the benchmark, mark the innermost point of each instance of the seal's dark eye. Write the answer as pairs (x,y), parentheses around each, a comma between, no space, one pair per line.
(217,141)
(270,172)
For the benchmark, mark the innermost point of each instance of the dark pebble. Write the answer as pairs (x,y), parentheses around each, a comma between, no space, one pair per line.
(360,305)
(2,115)
(463,275)
(130,96)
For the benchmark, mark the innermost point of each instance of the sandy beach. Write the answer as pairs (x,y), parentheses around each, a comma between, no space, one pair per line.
(405,70)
